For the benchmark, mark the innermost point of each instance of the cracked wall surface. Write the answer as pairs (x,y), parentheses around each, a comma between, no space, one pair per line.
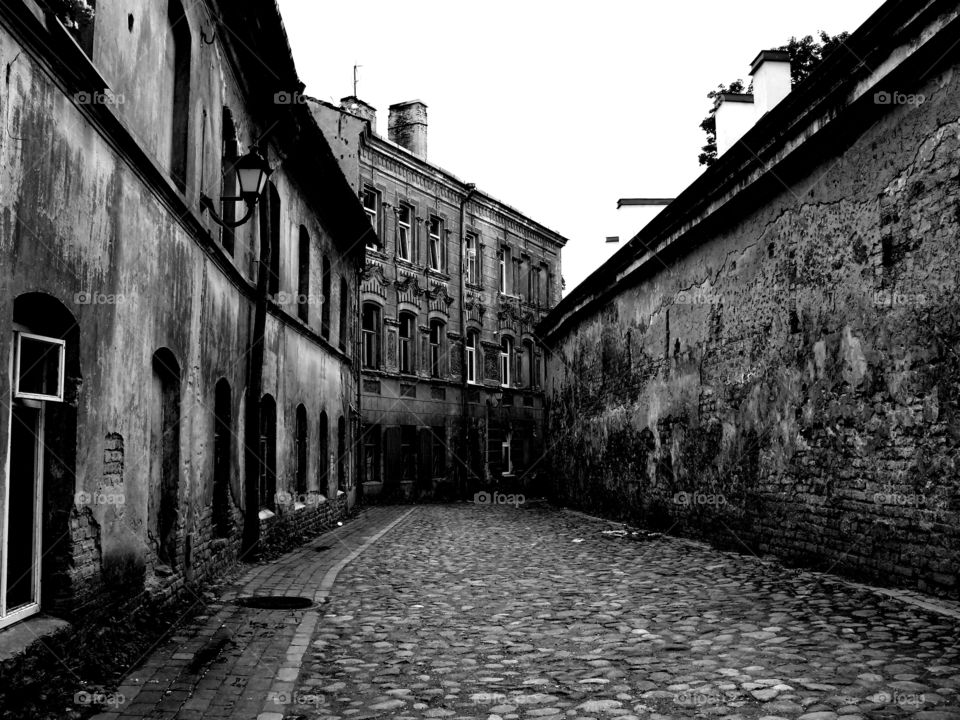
(790,385)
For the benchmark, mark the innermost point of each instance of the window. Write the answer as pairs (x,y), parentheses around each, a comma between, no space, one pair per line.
(344,300)
(506,460)
(268,452)
(39,367)
(404,232)
(472,343)
(303,275)
(549,286)
(269,212)
(438,452)
(470,259)
(529,355)
(408,324)
(371,204)
(325,307)
(408,453)
(178,65)
(438,250)
(506,356)
(324,450)
(436,348)
(229,186)
(505,269)
(341,453)
(371,454)
(300,443)
(370,333)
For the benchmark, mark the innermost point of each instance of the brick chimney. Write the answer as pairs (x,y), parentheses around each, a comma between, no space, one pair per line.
(407,127)
(771,79)
(356,106)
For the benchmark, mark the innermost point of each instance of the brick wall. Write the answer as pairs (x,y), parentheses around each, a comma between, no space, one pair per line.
(788,381)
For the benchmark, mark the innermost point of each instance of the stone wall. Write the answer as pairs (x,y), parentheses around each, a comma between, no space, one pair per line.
(785,379)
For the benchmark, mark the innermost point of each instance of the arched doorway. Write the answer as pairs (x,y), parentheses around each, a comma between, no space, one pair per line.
(166,454)
(35,503)
(222,451)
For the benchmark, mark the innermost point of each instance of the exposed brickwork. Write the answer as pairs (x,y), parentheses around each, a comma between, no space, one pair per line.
(790,383)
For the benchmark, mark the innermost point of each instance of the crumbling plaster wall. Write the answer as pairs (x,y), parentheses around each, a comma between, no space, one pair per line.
(791,385)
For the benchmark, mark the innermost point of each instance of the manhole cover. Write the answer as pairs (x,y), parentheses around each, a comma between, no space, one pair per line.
(275,602)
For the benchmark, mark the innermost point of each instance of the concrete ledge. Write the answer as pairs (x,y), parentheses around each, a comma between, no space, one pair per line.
(17,639)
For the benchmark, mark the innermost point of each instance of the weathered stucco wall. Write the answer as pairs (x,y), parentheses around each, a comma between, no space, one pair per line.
(791,384)
(80,223)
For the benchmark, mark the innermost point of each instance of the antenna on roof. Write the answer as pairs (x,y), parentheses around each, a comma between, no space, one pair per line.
(355,66)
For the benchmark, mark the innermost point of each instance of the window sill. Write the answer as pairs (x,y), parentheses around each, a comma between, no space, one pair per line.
(431,272)
(473,286)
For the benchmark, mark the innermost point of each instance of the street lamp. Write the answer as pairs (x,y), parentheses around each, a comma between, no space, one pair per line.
(252,173)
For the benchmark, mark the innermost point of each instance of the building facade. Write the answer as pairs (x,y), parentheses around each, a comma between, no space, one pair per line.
(129,319)
(455,282)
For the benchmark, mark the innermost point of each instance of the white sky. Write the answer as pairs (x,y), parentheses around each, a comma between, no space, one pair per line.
(555,108)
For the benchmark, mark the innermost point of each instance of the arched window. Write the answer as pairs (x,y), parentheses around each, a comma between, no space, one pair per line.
(222,447)
(473,342)
(165,475)
(301,449)
(178,66)
(324,451)
(303,275)
(370,335)
(437,348)
(506,358)
(408,325)
(268,452)
(326,300)
(229,186)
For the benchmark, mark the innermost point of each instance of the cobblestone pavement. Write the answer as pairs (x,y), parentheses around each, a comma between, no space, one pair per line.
(235,662)
(497,612)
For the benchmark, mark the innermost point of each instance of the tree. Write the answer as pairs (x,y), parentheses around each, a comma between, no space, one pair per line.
(806,54)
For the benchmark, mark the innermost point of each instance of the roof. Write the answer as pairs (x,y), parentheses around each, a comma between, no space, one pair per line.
(904,40)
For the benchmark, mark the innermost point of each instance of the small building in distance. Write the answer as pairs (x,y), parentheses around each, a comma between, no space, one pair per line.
(455,282)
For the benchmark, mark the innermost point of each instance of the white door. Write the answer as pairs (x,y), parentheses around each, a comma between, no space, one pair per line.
(20,559)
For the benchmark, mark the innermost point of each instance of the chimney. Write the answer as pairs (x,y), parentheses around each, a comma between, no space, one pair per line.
(735,115)
(356,106)
(771,79)
(408,127)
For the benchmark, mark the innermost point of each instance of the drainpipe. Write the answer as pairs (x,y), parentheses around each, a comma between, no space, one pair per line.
(464,435)
(251,431)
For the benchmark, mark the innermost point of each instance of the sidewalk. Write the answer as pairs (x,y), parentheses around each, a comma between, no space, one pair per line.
(241,662)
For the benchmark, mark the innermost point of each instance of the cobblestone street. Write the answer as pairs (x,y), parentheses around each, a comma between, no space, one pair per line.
(498,612)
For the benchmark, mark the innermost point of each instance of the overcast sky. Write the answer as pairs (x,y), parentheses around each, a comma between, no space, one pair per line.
(557,109)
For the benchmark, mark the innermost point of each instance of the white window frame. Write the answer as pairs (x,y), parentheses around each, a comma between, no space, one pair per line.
(470,251)
(404,232)
(32,608)
(472,337)
(405,344)
(371,336)
(373,213)
(436,243)
(506,279)
(505,358)
(436,348)
(18,337)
